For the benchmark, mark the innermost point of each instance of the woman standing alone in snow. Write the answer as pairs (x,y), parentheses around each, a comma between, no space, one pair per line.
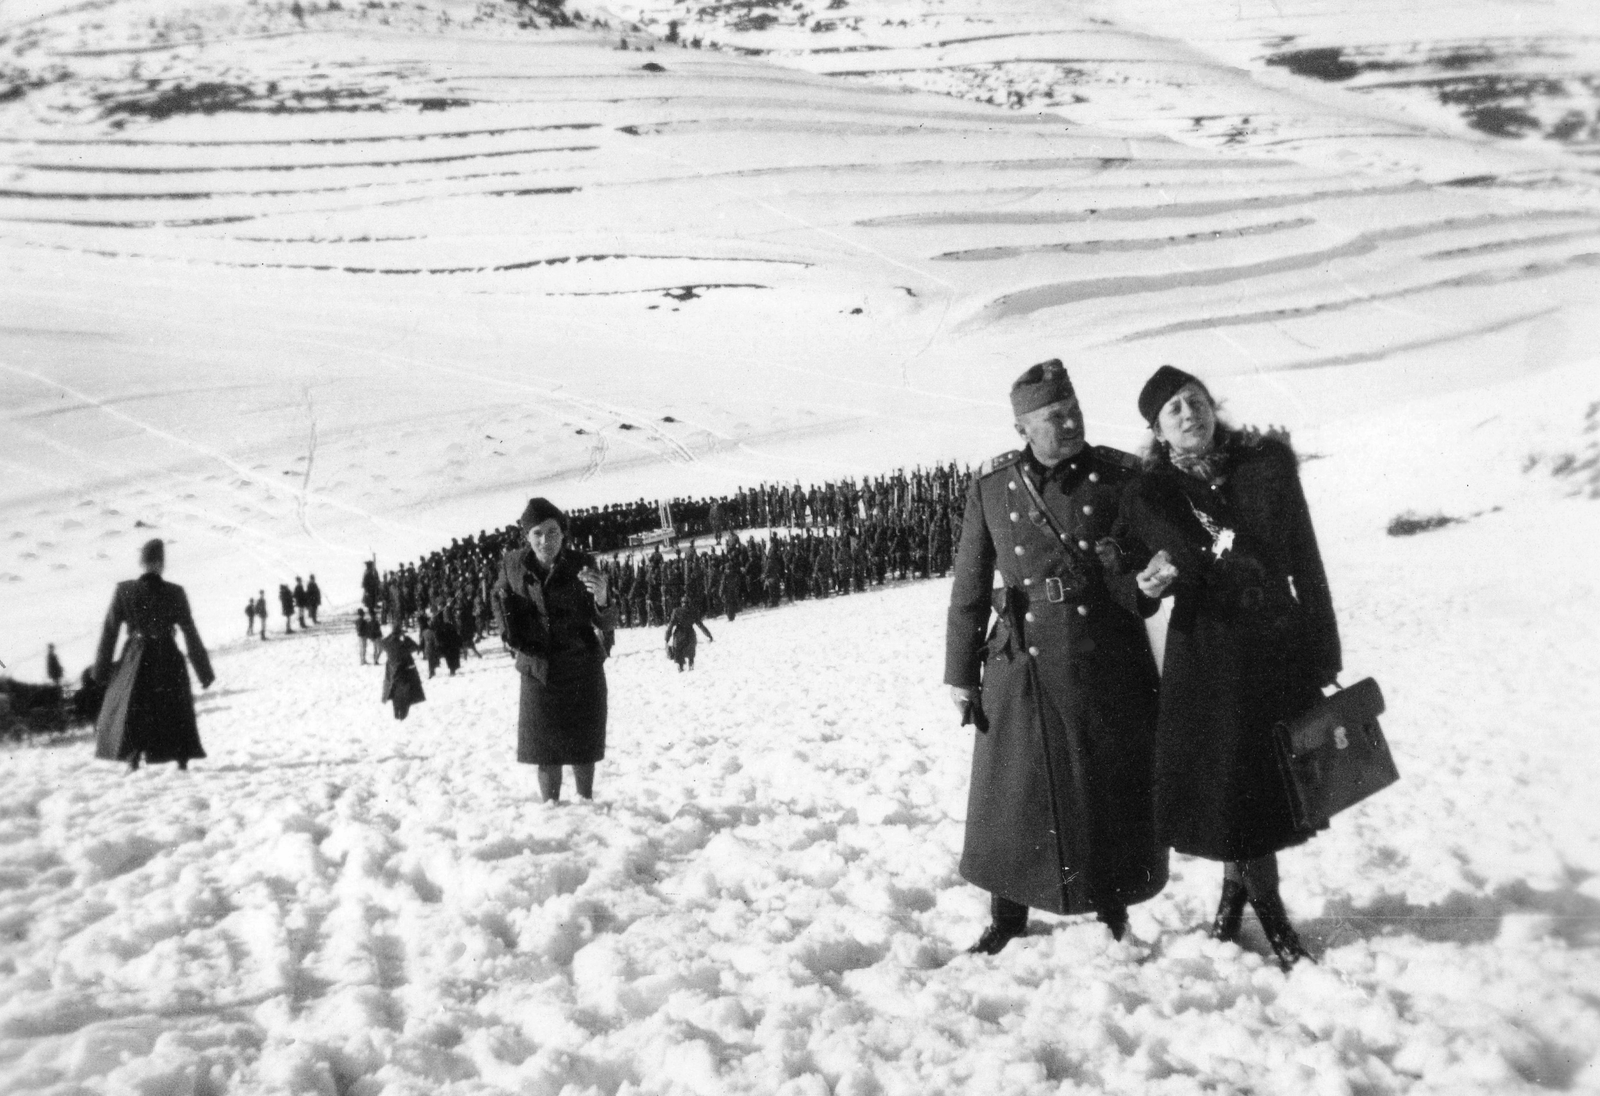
(1251,641)
(554,605)
(148,710)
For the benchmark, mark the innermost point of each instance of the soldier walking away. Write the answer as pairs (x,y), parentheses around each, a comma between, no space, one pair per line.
(261,611)
(1051,663)
(681,640)
(250,618)
(300,601)
(148,710)
(52,665)
(313,597)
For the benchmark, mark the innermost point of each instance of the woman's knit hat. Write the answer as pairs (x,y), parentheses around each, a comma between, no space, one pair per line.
(540,510)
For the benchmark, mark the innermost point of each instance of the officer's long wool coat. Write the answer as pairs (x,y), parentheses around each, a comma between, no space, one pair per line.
(1060,813)
(1251,638)
(148,706)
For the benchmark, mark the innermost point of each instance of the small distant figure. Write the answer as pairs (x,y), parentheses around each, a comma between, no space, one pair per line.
(52,665)
(286,603)
(250,618)
(370,586)
(448,640)
(368,631)
(681,640)
(402,685)
(299,595)
(148,710)
(261,611)
(467,629)
(313,597)
(428,629)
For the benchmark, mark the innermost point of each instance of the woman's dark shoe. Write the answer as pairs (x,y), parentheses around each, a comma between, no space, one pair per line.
(1285,941)
(997,936)
(1230,911)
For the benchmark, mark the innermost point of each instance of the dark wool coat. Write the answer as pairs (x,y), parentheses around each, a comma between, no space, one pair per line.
(1251,638)
(1060,814)
(402,685)
(554,631)
(148,706)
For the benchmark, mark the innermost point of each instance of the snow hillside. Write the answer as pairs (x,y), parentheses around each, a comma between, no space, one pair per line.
(292,284)
(763,898)
(291,290)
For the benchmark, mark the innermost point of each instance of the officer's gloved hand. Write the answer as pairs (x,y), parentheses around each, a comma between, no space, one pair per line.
(970,706)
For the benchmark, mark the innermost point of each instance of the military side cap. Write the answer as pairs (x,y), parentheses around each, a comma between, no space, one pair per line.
(1040,386)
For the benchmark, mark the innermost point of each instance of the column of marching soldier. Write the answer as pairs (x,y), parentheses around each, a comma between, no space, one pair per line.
(800,542)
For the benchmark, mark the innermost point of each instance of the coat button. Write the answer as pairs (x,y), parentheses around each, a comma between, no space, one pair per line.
(1088,509)
(1083,544)
(1019,549)
(1029,617)
(1083,610)
(1012,485)
(1034,651)
(1027,582)
(1094,477)
(1014,515)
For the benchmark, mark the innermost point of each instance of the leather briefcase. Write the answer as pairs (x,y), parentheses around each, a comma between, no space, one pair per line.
(1334,755)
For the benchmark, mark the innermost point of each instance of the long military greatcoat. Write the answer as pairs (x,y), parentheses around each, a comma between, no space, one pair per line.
(1251,638)
(1060,814)
(554,631)
(148,705)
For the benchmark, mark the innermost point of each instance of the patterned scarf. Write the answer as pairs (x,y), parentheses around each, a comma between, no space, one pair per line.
(1208,467)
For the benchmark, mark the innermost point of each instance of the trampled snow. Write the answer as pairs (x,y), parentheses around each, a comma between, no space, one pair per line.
(421,261)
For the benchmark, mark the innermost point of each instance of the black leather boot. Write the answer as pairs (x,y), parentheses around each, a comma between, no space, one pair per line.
(996,937)
(1285,941)
(1009,920)
(1114,918)
(1230,911)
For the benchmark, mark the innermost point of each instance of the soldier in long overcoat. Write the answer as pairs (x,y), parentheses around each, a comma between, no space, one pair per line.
(1047,653)
(1251,640)
(148,709)
(556,606)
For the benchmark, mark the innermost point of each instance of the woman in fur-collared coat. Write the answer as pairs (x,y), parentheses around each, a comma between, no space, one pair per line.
(554,605)
(148,711)
(1251,641)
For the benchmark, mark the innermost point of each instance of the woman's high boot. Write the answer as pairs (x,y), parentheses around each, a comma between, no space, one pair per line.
(1230,911)
(1285,941)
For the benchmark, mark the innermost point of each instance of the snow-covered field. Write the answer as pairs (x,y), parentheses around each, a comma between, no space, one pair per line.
(289,290)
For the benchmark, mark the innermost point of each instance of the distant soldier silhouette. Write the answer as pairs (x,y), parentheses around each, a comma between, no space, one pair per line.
(286,603)
(52,665)
(313,597)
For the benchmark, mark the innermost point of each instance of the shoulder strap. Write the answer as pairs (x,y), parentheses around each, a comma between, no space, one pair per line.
(1077,560)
